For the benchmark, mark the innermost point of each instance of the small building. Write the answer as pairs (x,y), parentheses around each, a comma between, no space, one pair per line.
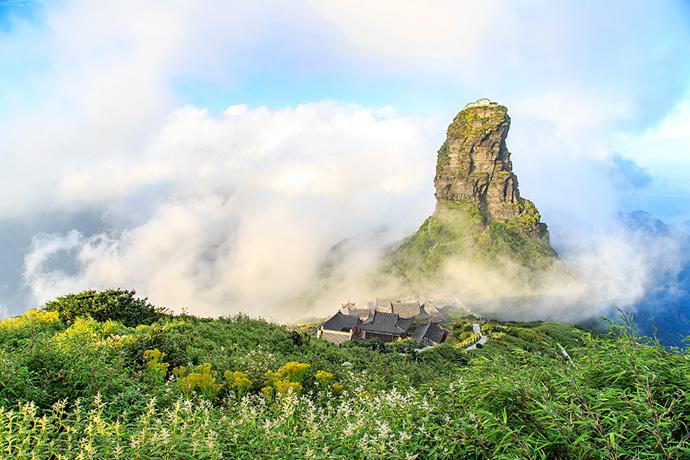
(483,102)
(433,311)
(409,310)
(384,326)
(430,334)
(335,337)
(351,310)
(338,328)
(384,305)
(385,320)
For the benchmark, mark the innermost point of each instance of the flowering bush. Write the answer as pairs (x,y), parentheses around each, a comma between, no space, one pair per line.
(29,326)
(323,377)
(472,338)
(75,391)
(155,364)
(30,318)
(292,371)
(238,381)
(288,378)
(200,379)
(89,333)
(284,387)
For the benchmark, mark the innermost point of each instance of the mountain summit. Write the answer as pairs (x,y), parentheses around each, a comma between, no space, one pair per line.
(474,167)
(480,216)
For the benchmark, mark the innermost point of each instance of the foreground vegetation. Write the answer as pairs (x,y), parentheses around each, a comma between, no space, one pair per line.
(185,387)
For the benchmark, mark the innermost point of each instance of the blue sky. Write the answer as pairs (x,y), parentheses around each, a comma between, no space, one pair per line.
(119,110)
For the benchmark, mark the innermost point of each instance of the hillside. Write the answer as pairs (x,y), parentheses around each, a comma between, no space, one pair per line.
(480,217)
(155,385)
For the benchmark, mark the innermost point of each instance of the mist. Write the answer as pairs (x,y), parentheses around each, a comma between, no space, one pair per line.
(595,275)
(246,205)
(218,155)
(287,214)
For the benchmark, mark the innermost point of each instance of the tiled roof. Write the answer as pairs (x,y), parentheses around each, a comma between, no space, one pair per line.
(359,312)
(405,323)
(386,323)
(407,309)
(431,309)
(340,322)
(431,332)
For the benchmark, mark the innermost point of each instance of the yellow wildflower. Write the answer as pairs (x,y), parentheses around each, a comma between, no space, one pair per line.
(238,380)
(323,377)
(284,387)
(201,379)
(31,317)
(154,362)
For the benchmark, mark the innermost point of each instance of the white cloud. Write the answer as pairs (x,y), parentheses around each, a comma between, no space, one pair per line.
(256,197)
(251,200)
(583,60)
(674,125)
(234,211)
(663,149)
(445,31)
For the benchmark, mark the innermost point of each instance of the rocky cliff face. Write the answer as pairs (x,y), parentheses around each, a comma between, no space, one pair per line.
(474,166)
(480,216)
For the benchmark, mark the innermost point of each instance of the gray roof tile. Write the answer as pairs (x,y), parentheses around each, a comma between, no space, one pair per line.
(430,331)
(407,309)
(386,323)
(340,322)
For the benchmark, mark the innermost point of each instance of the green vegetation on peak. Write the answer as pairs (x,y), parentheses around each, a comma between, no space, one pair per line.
(442,157)
(457,232)
(475,121)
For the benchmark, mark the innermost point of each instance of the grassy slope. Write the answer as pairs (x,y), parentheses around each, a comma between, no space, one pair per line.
(517,397)
(456,231)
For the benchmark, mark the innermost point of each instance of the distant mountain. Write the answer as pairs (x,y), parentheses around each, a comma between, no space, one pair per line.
(665,311)
(480,216)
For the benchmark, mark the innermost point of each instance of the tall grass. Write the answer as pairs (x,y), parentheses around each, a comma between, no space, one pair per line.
(544,391)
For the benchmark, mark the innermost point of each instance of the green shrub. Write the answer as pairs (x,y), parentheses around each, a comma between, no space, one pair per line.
(29,327)
(401,345)
(444,354)
(112,304)
(155,364)
(86,391)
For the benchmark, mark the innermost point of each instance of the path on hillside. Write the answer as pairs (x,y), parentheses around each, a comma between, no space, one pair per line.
(477,329)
